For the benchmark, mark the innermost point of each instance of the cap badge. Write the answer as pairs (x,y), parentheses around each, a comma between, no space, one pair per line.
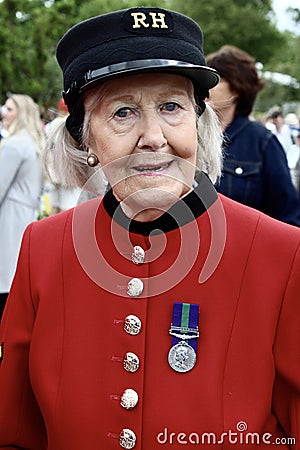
(154,20)
(148,21)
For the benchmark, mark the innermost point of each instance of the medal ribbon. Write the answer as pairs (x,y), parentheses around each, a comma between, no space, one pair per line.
(185,321)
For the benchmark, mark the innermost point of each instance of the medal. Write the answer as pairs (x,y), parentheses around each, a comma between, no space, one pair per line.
(182,357)
(184,331)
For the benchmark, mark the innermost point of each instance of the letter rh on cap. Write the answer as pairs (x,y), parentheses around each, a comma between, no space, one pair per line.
(140,19)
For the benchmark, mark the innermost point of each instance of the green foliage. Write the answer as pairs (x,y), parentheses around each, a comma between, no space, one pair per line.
(250,26)
(286,62)
(95,7)
(247,25)
(28,33)
(30,30)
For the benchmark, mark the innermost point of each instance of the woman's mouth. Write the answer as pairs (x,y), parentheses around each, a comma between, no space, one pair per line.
(153,168)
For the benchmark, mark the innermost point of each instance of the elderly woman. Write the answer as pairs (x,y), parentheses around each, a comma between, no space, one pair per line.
(162,313)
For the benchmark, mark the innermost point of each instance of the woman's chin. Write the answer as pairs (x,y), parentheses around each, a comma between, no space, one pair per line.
(152,201)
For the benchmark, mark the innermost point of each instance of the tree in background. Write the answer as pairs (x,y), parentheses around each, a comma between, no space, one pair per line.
(28,33)
(30,29)
(285,92)
(246,24)
(250,25)
(96,7)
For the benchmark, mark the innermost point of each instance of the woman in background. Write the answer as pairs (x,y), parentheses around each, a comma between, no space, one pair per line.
(20,181)
(255,170)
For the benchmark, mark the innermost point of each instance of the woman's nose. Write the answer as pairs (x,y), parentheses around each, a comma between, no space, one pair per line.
(151,136)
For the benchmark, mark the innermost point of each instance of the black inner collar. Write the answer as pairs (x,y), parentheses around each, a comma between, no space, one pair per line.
(184,211)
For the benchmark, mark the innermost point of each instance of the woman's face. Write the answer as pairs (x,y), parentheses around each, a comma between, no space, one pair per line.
(222,96)
(144,133)
(9,113)
(223,100)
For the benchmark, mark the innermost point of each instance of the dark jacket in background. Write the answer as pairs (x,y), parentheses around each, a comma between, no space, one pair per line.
(256,173)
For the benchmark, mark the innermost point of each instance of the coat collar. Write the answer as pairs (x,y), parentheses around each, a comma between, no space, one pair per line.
(184,211)
(235,127)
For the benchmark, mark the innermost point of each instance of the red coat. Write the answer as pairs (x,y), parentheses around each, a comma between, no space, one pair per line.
(62,374)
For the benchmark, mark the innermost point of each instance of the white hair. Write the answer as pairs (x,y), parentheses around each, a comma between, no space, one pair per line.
(210,138)
(66,159)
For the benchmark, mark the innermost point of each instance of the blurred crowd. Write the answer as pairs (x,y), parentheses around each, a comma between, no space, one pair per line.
(287,130)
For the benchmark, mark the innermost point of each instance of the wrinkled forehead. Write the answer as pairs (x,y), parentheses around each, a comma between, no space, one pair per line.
(162,86)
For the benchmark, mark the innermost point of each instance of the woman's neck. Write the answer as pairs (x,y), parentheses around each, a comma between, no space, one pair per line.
(226,116)
(147,214)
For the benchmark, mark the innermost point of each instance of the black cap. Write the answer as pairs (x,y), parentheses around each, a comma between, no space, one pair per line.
(132,41)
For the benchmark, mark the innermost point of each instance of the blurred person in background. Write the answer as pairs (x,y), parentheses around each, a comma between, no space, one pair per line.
(275,122)
(1,123)
(294,161)
(255,170)
(20,181)
(292,120)
(3,132)
(293,153)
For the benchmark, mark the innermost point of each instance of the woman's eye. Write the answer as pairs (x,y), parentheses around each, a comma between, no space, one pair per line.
(123,112)
(170,106)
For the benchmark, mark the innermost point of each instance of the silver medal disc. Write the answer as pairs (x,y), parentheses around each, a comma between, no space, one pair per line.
(182,357)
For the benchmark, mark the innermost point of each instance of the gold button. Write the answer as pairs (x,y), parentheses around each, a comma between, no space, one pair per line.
(132,325)
(138,255)
(129,399)
(135,287)
(131,362)
(127,438)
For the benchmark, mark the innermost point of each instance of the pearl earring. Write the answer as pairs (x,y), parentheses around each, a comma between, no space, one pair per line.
(92,160)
